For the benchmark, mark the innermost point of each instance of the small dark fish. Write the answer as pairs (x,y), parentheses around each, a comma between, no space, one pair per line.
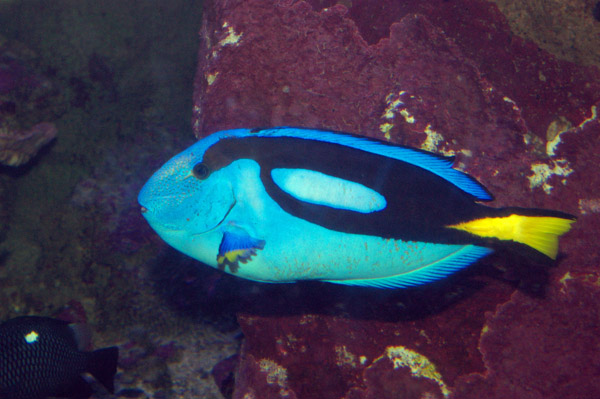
(41,357)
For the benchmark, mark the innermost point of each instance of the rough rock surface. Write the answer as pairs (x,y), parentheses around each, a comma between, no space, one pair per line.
(448,78)
(24,94)
(18,147)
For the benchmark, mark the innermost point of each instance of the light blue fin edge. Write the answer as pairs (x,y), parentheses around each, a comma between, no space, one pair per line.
(437,164)
(433,272)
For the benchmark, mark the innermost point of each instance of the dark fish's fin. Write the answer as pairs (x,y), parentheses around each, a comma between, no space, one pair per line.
(103,366)
(83,335)
(536,228)
(78,388)
(437,164)
(237,247)
(432,272)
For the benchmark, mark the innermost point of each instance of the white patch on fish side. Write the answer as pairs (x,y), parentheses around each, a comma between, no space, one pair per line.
(321,189)
(32,337)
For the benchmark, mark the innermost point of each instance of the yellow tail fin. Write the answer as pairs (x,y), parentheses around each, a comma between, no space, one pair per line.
(538,232)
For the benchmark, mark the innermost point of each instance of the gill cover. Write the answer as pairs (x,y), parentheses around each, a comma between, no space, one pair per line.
(176,199)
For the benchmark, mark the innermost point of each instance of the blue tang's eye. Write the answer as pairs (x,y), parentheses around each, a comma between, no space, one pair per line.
(200,171)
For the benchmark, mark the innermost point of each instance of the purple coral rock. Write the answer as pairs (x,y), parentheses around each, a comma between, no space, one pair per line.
(541,347)
(451,79)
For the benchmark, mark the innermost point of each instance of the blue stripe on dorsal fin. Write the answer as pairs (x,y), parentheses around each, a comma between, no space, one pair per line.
(434,163)
(432,272)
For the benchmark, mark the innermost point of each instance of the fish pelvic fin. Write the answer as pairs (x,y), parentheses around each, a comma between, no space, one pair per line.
(539,232)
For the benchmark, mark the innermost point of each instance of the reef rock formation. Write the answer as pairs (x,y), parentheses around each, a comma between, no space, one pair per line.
(449,78)
(26,97)
(18,147)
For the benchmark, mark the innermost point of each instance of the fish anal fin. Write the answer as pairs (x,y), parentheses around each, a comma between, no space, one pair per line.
(103,366)
(435,271)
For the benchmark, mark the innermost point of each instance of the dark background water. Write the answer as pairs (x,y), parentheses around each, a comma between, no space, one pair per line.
(116,78)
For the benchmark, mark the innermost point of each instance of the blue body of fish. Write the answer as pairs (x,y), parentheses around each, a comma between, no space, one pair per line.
(289,204)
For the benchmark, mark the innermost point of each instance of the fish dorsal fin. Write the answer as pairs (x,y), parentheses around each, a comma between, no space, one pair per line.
(436,164)
(82,334)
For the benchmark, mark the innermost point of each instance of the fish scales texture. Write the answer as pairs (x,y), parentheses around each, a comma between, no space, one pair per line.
(288,204)
(39,357)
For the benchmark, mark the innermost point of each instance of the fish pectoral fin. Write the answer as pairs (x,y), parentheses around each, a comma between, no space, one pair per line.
(437,270)
(538,232)
(237,247)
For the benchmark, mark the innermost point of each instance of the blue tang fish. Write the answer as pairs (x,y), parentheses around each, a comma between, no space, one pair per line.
(286,204)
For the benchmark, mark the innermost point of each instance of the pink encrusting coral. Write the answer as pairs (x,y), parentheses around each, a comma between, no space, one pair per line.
(451,79)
